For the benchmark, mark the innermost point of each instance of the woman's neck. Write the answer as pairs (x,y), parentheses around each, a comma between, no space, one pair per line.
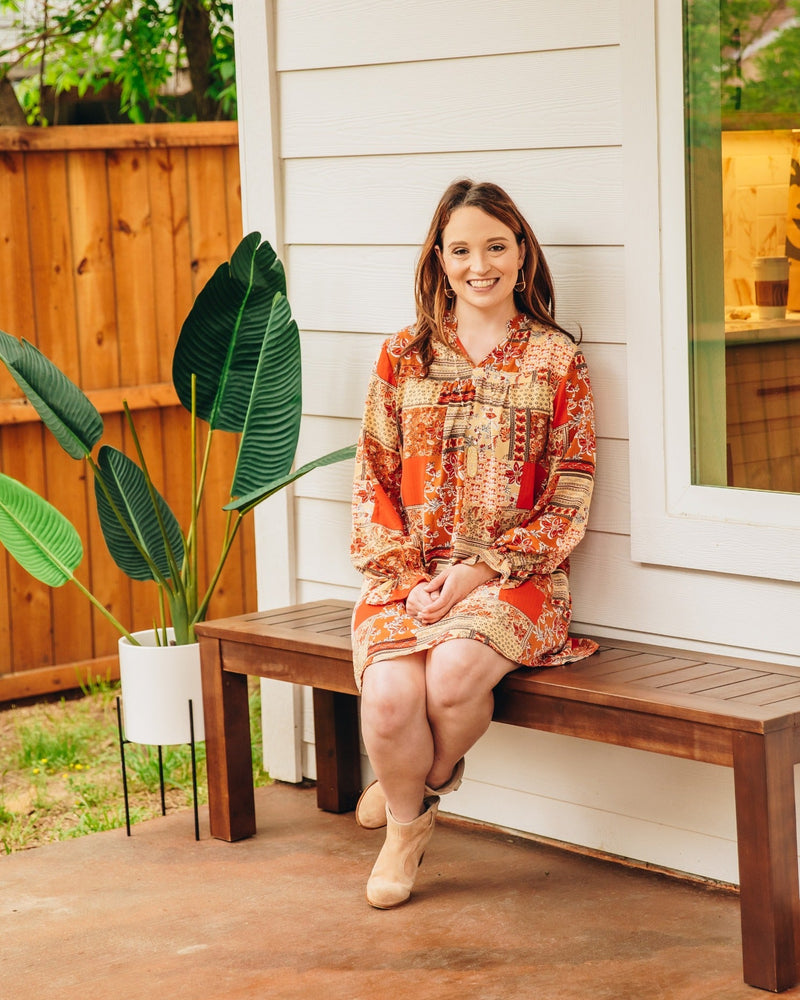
(481,331)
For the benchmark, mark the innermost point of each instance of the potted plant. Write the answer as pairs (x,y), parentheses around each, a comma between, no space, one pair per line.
(237,367)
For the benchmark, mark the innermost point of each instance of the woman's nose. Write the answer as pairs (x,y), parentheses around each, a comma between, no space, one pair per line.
(479,263)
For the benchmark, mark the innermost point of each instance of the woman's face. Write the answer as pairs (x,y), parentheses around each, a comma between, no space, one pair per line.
(481,258)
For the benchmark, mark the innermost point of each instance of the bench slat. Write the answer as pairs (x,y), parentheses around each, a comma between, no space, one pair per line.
(656,669)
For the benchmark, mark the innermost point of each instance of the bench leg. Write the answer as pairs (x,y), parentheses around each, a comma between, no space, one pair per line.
(337,750)
(763,768)
(226,707)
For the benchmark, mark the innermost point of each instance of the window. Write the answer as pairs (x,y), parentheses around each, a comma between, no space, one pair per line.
(683,512)
(742,80)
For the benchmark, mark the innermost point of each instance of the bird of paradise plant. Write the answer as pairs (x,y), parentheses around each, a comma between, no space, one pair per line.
(237,367)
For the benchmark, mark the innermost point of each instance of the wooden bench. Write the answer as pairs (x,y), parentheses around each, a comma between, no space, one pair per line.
(737,713)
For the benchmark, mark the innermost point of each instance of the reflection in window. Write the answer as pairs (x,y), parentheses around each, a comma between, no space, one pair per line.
(742,77)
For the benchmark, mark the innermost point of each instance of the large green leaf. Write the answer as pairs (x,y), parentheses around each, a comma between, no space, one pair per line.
(127,485)
(269,440)
(220,340)
(255,497)
(37,535)
(73,420)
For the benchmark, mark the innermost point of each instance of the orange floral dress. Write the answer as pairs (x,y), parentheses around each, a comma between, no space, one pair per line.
(492,462)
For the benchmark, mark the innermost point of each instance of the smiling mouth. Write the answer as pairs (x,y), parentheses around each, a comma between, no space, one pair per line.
(483,283)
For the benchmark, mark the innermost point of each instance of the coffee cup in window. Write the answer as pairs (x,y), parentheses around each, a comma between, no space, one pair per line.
(772,286)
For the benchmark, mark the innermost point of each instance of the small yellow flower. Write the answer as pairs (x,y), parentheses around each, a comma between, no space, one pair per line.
(43,760)
(36,770)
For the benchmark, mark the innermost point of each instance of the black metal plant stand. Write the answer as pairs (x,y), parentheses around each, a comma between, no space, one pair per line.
(123,742)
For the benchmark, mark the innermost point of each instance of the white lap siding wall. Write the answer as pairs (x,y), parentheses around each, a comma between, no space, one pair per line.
(354,116)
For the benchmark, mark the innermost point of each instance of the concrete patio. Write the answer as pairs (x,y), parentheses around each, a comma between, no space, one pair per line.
(283,916)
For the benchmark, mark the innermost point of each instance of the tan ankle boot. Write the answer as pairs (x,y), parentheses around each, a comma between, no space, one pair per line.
(371,807)
(393,874)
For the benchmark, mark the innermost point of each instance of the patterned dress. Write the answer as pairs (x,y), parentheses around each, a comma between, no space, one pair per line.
(492,462)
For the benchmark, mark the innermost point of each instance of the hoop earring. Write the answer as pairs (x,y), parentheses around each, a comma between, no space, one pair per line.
(520,285)
(448,291)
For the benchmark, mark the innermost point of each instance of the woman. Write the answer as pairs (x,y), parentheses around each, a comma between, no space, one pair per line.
(473,479)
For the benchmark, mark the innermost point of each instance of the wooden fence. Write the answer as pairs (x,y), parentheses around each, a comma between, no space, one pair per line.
(106,235)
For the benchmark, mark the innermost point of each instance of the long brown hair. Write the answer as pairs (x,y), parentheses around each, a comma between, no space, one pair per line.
(536,300)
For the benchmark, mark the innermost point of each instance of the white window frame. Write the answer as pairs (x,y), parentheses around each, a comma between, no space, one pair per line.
(674,522)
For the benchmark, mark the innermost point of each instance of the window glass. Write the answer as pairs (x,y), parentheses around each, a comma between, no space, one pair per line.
(742,80)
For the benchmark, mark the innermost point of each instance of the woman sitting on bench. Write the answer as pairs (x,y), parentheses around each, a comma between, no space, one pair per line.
(473,480)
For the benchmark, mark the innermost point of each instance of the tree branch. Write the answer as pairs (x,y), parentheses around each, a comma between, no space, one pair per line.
(11,112)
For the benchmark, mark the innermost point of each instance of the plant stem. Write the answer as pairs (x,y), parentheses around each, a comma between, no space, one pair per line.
(192,542)
(230,535)
(175,571)
(104,611)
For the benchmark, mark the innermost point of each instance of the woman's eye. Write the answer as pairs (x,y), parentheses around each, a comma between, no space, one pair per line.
(497,248)
(459,251)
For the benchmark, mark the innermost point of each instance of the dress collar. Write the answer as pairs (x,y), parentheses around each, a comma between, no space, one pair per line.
(516,329)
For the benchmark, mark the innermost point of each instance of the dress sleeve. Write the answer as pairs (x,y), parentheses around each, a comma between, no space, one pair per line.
(559,516)
(381,548)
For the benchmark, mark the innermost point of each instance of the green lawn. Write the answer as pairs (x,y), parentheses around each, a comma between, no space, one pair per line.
(60,773)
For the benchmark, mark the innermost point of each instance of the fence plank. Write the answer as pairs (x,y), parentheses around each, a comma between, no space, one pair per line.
(205,171)
(109,400)
(95,305)
(171,242)
(57,337)
(71,137)
(106,235)
(67,483)
(30,601)
(131,222)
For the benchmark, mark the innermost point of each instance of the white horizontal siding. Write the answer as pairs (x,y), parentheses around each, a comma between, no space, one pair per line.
(323,547)
(673,813)
(570,196)
(320,33)
(367,289)
(521,101)
(746,616)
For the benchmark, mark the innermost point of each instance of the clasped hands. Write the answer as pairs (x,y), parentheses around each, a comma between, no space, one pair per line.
(430,600)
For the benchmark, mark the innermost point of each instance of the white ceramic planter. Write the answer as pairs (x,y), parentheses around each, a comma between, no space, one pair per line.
(157,683)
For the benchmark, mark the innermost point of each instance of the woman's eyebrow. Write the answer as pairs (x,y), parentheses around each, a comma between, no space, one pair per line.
(492,239)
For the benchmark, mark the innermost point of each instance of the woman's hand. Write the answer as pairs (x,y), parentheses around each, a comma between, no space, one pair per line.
(429,602)
(419,599)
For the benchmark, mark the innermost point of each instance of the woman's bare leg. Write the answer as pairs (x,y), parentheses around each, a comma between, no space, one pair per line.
(460,677)
(396,731)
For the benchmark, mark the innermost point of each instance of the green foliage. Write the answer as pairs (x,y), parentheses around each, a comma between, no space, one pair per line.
(145,538)
(222,337)
(72,419)
(740,59)
(778,66)
(61,773)
(37,535)
(52,748)
(223,69)
(137,46)
(237,366)
(142,765)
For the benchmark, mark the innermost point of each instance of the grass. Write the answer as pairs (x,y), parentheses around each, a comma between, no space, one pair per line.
(60,772)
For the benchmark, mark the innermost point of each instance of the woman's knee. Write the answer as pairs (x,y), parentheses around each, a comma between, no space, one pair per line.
(462,671)
(392,695)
